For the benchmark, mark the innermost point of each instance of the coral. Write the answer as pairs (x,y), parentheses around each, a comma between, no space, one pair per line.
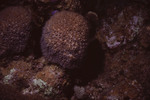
(122,28)
(7,79)
(65,39)
(17,73)
(126,75)
(116,64)
(10,93)
(52,75)
(31,76)
(126,89)
(15,23)
(71,5)
(50,81)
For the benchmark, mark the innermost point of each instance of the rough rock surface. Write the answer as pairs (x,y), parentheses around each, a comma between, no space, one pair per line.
(34,77)
(121,28)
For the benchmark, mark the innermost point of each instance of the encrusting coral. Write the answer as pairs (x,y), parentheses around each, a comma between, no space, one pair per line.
(123,27)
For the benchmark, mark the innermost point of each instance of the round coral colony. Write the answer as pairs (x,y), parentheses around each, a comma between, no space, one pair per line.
(65,39)
(15,24)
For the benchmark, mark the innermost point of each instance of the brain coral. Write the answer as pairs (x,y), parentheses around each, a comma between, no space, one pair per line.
(15,23)
(65,38)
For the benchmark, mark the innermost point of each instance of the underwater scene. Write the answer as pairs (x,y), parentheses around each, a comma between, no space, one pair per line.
(74,49)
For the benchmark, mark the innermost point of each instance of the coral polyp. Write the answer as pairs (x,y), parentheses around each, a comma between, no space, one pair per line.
(65,39)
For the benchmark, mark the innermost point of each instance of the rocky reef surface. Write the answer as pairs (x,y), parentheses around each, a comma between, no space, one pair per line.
(116,64)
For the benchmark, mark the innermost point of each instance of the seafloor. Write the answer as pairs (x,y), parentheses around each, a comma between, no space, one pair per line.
(117,65)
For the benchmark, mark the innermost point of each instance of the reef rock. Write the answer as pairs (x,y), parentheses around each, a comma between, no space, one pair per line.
(123,27)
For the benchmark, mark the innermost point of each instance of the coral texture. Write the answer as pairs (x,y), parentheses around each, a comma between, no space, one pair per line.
(15,23)
(65,39)
(123,27)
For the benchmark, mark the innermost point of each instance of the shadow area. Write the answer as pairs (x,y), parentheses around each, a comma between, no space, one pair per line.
(92,66)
